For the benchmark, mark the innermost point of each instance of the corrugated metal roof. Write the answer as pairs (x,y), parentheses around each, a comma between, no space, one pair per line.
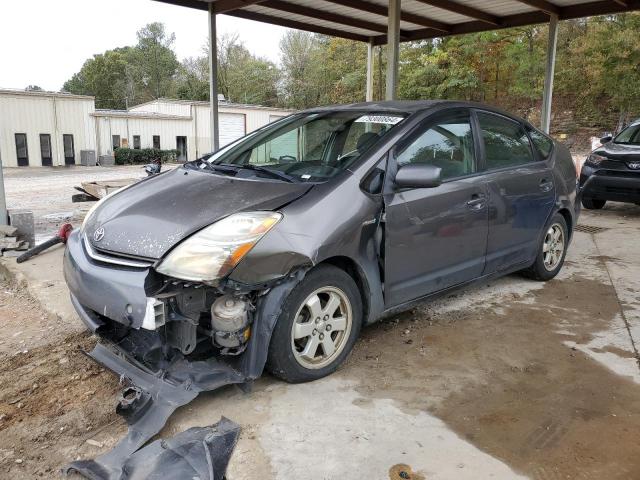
(366,19)
(42,93)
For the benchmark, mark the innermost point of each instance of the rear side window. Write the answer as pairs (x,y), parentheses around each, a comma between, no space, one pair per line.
(505,142)
(543,143)
(447,143)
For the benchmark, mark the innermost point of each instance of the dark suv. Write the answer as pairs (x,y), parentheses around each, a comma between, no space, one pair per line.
(278,248)
(612,171)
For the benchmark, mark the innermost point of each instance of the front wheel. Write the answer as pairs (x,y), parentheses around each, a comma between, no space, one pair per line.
(593,203)
(551,251)
(317,328)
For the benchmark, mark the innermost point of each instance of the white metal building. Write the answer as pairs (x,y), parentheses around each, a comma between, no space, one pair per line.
(51,129)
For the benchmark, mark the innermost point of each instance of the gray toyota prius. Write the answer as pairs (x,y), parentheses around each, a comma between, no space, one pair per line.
(278,248)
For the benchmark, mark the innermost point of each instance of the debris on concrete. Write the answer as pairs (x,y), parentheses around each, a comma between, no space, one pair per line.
(199,452)
(98,189)
(8,231)
(61,237)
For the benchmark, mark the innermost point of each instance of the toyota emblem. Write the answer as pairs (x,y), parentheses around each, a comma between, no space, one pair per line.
(98,234)
(634,165)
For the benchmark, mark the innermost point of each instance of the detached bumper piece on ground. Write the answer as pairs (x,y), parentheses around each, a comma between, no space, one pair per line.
(146,403)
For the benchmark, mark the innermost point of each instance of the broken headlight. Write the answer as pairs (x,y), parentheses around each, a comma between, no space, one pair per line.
(215,250)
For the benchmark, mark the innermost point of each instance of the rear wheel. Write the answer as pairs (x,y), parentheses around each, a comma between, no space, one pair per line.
(317,328)
(551,251)
(593,203)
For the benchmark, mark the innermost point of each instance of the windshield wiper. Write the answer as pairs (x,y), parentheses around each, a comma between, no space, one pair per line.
(257,168)
(215,167)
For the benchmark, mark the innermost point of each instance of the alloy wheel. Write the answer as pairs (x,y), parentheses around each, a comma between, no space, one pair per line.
(321,328)
(553,247)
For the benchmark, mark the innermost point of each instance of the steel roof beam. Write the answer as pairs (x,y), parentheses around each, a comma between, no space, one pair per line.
(546,7)
(224,6)
(326,16)
(462,9)
(383,11)
(307,27)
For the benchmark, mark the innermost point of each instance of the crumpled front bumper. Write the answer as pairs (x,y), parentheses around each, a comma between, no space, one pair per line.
(100,292)
(115,292)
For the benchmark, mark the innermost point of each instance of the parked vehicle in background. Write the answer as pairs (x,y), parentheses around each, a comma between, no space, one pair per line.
(280,247)
(612,171)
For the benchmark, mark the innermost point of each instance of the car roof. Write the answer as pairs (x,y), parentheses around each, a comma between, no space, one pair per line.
(410,106)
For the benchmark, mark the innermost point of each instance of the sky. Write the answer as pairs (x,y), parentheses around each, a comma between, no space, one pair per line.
(44,42)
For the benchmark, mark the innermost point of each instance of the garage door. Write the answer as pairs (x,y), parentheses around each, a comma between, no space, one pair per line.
(231,127)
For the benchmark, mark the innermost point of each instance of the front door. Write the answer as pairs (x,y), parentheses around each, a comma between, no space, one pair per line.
(436,237)
(45,149)
(181,146)
(521,192)
(69,151)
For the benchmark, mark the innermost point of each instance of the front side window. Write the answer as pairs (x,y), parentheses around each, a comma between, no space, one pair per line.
(630,135)
(505,142)
(310,147)
(447,143)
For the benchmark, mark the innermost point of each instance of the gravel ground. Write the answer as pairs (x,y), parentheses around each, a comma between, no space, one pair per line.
(47,192)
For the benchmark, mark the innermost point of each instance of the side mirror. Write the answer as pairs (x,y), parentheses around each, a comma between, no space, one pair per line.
(418,175)
(607,138)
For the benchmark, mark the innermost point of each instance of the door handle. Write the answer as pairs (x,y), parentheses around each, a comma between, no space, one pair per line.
(546,185)
(477,202)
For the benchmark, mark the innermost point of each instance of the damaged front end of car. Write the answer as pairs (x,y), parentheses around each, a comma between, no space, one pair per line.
(168,339)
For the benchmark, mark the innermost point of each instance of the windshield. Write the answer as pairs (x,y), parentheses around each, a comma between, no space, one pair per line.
(630,135)
(306,148)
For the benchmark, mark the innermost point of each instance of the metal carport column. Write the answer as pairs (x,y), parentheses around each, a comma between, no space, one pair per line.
(393,48)
(213,79)
(547,94)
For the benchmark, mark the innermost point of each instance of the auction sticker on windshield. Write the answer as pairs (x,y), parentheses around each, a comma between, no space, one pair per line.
(384,119)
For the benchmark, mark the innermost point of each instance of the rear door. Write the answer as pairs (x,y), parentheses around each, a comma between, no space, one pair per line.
(520,188)
(436,237)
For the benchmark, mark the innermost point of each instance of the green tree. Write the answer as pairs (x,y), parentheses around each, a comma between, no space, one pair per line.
(104,76)
(155,64)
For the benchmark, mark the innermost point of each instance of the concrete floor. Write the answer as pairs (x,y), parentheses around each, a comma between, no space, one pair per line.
(515,379)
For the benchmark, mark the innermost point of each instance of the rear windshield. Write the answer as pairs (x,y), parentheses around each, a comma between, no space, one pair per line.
(630,135)
(310,147)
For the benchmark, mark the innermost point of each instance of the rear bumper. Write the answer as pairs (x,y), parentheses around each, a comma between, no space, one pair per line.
(618,187)
(117,293)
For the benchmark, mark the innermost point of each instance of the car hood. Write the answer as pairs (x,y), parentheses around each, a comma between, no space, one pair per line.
(150,217)
(619,151)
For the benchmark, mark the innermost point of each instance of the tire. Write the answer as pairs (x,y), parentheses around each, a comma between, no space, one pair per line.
(546,266)
(593,203)
(315,296)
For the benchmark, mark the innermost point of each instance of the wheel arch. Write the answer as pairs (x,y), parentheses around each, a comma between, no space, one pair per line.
(358,275)
(569,219)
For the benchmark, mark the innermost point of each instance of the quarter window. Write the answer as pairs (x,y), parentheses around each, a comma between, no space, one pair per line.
(505,142)
(447,144)
(543,143)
